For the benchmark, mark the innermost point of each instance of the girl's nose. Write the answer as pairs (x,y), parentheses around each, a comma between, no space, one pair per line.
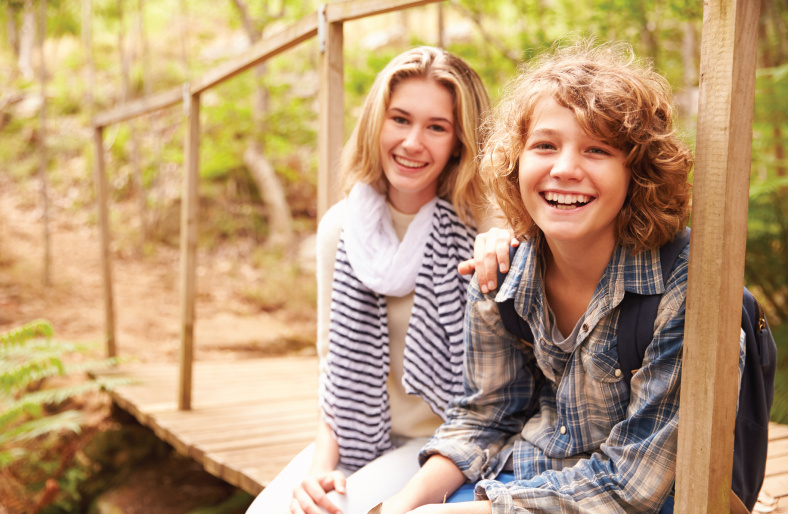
(412,142)
(566,165)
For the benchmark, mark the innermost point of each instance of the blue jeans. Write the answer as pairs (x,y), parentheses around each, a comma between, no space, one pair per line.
(465,493)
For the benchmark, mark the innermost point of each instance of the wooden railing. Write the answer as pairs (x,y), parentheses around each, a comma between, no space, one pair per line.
(716,276)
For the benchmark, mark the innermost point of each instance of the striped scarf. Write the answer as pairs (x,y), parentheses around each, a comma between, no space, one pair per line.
(354,397)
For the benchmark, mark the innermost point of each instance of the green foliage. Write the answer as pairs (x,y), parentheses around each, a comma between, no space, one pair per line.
(780,405)
(767,235)
(29,356)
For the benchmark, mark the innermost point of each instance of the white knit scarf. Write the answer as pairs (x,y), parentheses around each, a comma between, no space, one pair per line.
(380,261)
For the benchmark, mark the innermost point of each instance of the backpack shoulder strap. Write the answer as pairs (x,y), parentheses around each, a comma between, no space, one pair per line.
(512,321)
(637,313)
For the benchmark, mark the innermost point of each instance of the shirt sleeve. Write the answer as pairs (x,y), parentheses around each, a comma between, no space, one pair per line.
(500,391)
(634,469)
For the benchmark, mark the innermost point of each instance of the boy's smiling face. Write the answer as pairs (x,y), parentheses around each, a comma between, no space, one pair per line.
(572,184)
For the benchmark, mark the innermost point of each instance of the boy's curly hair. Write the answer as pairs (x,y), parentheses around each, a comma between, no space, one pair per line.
(617,99)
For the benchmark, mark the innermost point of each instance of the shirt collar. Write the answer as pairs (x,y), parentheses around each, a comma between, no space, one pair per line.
(640,273)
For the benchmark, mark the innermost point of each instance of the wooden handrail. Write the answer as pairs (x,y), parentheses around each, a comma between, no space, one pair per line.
(288,37)
(355,9)
(139,107)
(271,46)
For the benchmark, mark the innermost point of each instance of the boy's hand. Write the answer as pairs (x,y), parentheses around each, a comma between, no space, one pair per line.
(490,253)
(310,494)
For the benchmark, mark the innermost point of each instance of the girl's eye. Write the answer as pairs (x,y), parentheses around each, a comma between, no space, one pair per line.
(399,119)
(438,128)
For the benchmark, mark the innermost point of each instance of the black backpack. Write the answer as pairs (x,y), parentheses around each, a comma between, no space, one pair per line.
(635,332)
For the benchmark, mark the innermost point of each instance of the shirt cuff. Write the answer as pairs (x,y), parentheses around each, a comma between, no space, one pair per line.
(500,498)
(470,459)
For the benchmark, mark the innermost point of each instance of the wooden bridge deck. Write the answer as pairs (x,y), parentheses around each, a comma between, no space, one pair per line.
(250,417)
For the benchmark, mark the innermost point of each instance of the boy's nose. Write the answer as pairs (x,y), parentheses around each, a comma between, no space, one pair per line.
(566,165)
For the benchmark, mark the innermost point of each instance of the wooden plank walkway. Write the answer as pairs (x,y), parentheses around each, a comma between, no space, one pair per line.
(250,417)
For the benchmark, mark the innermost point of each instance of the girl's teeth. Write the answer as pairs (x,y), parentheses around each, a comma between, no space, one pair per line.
(408,163)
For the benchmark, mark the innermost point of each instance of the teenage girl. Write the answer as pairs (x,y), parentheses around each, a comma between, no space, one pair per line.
(390,299)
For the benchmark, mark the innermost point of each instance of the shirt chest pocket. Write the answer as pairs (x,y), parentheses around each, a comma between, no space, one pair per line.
(601,363)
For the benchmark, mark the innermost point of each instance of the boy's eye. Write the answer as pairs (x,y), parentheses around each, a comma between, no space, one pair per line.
(544,146)
(599,151)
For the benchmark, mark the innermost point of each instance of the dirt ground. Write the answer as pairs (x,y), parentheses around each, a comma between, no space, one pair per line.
(147,307)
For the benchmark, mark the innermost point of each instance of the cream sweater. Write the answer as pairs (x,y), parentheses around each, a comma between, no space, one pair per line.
(410,415)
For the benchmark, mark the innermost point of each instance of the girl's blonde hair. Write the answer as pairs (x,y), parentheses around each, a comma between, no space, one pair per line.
(616,99)
(459,182)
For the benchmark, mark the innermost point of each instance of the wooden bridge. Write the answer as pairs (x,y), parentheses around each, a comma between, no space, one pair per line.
(182,414)
(250,417)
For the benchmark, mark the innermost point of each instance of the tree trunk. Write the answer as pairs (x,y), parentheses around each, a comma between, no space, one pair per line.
(184,26)
(271,190)
(27,40)
(42,146)
(87,48)
(12,28)
(687,97)
(136,172)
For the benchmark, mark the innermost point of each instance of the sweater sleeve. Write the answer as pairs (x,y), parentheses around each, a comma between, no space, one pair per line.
(328,233)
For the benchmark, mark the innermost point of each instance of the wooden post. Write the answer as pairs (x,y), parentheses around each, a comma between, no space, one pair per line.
(331,118)
(102,202)
(716,274)
(189,246)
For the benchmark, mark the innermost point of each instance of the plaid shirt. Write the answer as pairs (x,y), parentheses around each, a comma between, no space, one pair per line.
(582,442)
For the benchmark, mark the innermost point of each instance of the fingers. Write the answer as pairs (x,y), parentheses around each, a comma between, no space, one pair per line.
(486,257)
(339,480)
(466,267)
(310,495)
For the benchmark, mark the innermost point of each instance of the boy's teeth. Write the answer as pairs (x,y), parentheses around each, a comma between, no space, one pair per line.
(408,163)
(565,201)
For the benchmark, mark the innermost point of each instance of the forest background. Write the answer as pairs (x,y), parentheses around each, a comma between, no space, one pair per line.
(258,161)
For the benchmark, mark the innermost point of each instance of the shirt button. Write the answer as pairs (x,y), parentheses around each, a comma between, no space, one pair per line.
(585,327)
(563,430)
(618,373)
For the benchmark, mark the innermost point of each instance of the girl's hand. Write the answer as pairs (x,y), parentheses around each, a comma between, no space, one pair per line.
(490,253)
(310,494)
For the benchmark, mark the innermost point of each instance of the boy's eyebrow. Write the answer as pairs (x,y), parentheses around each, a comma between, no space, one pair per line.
(406,113)
(543,132)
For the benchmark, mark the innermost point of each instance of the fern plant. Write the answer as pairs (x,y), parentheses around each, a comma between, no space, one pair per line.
(28,356)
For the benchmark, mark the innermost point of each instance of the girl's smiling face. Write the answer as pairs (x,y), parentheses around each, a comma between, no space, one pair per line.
(416,141)
(572,184)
